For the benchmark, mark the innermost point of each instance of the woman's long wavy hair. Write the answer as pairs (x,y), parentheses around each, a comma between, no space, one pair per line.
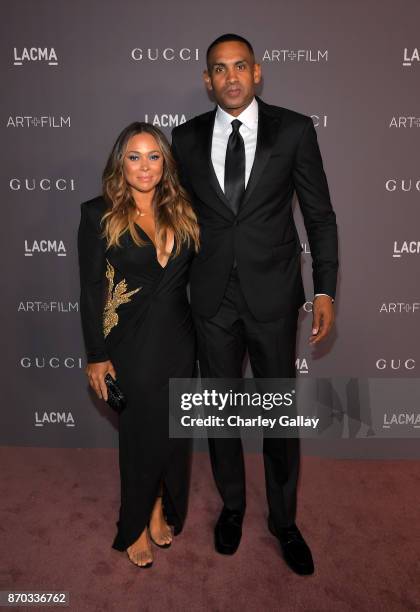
(171,205)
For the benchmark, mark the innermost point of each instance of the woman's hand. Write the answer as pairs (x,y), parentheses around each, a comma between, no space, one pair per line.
(96,373)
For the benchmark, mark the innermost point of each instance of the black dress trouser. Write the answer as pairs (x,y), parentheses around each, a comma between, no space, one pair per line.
(222,343)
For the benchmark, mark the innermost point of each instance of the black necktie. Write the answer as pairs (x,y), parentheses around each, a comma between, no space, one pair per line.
(235,167)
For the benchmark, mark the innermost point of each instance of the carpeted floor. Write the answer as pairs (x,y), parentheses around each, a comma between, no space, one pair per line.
(361,519)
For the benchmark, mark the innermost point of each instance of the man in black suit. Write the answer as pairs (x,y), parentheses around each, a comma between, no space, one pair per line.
(241,164)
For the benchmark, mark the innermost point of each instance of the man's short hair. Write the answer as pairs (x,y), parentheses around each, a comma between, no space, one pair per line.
(229,38)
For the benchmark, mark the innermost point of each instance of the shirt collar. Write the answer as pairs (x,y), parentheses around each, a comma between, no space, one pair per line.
(249,117)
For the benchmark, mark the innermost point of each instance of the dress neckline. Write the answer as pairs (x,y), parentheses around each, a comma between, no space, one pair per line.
(154,247)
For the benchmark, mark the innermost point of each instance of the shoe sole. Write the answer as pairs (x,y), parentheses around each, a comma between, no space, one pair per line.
(159,545)
(226,551)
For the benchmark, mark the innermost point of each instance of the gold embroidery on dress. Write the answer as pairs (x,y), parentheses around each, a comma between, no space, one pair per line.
(116,296)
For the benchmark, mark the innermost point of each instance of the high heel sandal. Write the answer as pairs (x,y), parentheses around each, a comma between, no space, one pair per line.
(146,565)
(166,545)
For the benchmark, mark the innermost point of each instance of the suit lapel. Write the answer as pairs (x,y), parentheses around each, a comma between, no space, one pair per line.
(205,137)
(268,129)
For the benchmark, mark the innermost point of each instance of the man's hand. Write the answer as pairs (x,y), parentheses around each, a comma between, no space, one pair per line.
(323,318)
(96,373)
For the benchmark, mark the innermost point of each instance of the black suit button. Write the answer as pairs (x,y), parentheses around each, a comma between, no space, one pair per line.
(236,223)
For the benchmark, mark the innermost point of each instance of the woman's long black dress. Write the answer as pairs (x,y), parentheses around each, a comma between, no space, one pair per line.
(136,313)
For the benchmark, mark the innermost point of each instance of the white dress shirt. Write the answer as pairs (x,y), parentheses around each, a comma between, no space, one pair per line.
(248,130)
(221,133)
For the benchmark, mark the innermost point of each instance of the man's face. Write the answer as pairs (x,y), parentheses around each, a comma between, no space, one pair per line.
(232,76)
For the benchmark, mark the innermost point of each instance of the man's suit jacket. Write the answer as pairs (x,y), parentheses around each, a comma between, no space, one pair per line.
(262,237)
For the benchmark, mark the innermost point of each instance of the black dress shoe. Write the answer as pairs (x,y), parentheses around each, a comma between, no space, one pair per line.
(228,531)
(296,552)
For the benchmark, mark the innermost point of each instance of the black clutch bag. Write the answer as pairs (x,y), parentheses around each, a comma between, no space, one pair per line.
(116,398)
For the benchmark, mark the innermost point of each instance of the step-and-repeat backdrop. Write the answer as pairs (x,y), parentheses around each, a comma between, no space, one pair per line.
(75,73)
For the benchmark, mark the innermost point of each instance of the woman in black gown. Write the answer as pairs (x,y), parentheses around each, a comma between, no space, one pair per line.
(135,246)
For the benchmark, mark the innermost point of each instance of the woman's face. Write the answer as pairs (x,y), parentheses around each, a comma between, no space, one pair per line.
(143,163)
